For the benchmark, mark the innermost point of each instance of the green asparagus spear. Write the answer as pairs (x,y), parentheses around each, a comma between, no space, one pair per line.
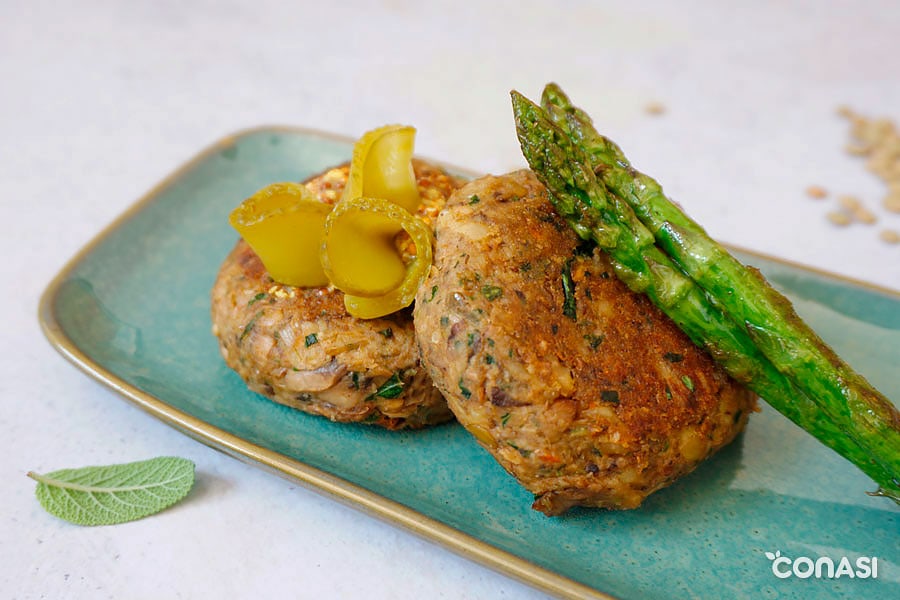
(596,214)
(605,155)
(841,393)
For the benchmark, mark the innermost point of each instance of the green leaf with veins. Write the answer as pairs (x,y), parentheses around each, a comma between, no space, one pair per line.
(108,495)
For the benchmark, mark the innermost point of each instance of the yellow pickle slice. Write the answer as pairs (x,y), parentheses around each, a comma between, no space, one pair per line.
(284,224)
(381,167)
(360,258)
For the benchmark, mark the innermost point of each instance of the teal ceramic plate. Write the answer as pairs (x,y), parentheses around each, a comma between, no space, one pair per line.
(132,310)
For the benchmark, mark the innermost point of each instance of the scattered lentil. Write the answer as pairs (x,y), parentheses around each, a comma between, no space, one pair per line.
(849,202)
(816,191)
(655,108)
(839,218)
(845,111)
(856,149)
(889,236)
(892,202)
(864,215)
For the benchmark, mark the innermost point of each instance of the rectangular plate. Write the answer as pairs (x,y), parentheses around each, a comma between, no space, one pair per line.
(132,310)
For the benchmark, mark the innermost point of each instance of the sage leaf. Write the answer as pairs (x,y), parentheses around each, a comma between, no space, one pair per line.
(108,495)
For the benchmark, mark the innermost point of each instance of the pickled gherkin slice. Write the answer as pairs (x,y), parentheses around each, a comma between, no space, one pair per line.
(359,256)
(381,167)
(360,259)
(284,224)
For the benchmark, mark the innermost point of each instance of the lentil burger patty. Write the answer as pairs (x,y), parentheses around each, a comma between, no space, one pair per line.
(581,389)
(300,347)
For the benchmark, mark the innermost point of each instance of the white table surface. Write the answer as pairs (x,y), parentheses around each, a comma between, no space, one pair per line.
(102,99)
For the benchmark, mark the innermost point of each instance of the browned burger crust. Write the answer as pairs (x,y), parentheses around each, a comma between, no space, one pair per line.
(599,405)
(300,347)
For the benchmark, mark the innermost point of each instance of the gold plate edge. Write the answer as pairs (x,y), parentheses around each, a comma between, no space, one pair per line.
(315,479)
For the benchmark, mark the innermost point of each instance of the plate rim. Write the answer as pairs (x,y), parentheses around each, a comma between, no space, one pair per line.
(317,480)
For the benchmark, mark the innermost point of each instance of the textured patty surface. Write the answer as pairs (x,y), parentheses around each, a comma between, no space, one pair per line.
(588,397)
(299,347)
